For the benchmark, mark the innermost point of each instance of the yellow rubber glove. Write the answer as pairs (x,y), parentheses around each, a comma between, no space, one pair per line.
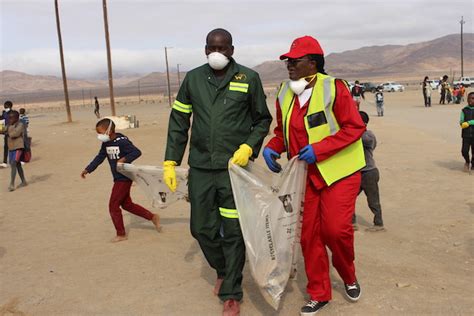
(464,125)
(169,174)
(242,155)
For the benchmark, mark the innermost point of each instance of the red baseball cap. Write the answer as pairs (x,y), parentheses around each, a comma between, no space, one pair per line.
(303,46)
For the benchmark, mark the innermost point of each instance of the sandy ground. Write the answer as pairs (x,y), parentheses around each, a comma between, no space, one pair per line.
(55,258)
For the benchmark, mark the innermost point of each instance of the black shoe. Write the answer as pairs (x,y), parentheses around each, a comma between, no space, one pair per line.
(353,291)
(312,307)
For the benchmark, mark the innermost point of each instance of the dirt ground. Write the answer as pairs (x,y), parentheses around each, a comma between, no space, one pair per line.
(55,258)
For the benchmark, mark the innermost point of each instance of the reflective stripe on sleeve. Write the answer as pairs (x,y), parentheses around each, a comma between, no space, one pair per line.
(181,107)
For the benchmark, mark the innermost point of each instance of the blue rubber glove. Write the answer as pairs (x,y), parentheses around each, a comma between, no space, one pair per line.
(307,154)
(270,157)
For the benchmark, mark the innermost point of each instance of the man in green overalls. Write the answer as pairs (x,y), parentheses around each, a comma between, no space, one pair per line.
(230,119)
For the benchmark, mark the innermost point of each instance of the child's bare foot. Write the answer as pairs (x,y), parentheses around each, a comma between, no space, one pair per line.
(156,222)
(119,238)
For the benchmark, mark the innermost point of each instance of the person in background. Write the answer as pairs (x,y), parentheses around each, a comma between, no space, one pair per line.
(456,97)
(357,93)
(24,118)
(462,93)
(467,125)
(96,108)
(444,88)
(7,106)
(379,101)
(370,179)
(426,86)
(16,145)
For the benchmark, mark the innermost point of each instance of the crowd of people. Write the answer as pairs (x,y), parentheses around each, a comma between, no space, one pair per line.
(447,93)
(224,106)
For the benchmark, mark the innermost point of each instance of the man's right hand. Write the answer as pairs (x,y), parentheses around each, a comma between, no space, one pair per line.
(83,174)
(169,174)
(270,157)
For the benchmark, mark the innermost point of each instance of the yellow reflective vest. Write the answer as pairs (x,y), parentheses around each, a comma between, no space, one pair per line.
(320,123)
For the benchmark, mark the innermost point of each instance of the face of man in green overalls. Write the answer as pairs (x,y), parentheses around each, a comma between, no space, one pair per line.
(219,48)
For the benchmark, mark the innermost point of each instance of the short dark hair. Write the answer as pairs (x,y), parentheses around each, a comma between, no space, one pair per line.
(22,111)
(445,77)
(8,104)
(221,32)
(319,59)
(470,93)
(364,116)
(105,124)
(14,113)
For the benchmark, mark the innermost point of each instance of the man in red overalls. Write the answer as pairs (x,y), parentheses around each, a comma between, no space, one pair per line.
(318,122)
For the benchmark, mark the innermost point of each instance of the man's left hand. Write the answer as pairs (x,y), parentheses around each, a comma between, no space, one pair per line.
(307,154)
(242,155)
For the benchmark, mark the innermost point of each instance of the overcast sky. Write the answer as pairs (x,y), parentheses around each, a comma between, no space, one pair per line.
(262,30)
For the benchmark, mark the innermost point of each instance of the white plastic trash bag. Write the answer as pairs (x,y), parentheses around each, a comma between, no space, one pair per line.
(150,180)
(269,207)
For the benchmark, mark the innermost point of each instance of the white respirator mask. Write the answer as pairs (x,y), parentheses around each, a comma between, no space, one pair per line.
(105,137)
(298,86)
(217,61)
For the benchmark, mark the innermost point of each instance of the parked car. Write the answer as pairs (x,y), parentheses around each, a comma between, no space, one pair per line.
(369,86)
(434,84)
(465,81)
(392,87)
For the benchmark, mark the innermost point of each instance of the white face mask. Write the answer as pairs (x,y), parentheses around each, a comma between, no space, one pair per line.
(298,86)
(217,60)
(7,110)
(105,137)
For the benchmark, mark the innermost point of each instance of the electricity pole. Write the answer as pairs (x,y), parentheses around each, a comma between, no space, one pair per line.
(462,22)
(168,74)
(139,97)
(179,79)
(63,67)
(109,58)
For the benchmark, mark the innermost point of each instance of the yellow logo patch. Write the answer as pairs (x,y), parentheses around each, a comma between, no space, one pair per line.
(240,77)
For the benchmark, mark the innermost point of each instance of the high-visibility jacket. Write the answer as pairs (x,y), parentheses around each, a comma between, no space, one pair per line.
(320,122)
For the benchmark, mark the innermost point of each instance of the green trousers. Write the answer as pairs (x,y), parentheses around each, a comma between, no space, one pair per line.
(215,225)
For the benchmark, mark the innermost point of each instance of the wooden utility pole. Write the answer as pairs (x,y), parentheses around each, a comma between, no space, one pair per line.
(63,67)
(179,78)
(109,58)
(462,22)
(139,97)
(168,75)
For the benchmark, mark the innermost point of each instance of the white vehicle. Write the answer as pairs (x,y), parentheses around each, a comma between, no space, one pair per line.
(392,87)
(434,84)
(465,81)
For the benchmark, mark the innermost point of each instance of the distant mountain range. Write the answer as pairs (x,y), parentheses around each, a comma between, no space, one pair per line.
(397,62)
(407,62)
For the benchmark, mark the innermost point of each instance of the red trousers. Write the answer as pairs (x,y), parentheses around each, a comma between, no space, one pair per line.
(120,197)
(327,221)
